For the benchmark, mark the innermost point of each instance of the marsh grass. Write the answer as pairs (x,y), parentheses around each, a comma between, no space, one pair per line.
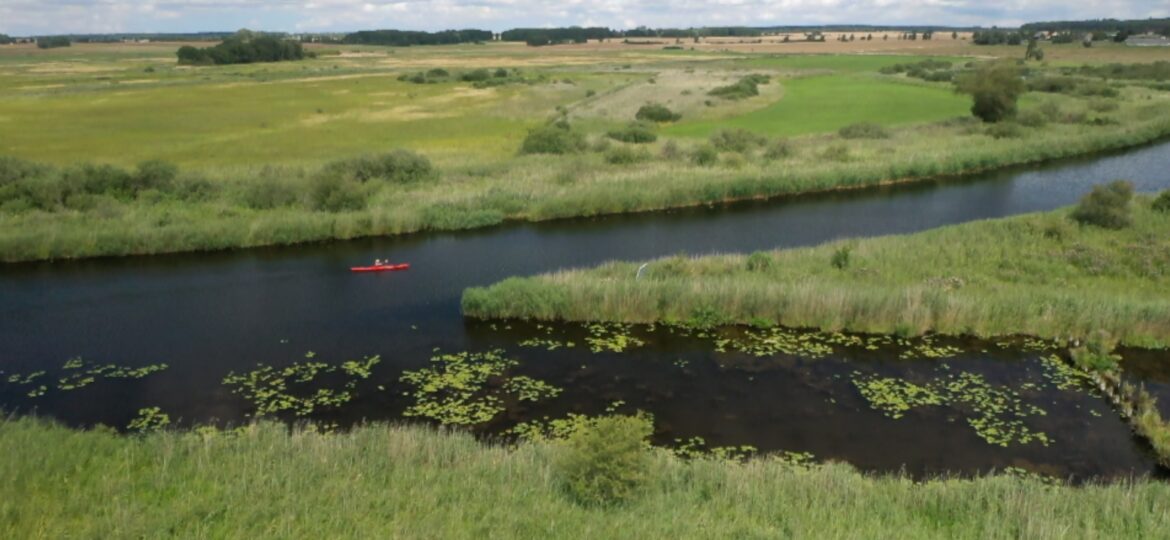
(1037,274)
(265,481)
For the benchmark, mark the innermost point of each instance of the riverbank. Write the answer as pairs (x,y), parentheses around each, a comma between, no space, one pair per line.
(265,482)
(250,207)
(1038,274)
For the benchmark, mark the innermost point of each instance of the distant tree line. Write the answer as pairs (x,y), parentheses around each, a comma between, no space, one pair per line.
(1126,27)
(5,39)
(998,37)
(243,48)
(404,38)
(52,42)
(553,36)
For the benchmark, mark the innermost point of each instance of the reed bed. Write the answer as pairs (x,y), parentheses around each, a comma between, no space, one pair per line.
(264,481)
(1038,274)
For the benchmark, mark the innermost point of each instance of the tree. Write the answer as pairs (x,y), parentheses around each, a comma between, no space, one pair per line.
(1034,51)
(995,87)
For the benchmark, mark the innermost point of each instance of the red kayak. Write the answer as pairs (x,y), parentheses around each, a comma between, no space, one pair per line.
(380,268)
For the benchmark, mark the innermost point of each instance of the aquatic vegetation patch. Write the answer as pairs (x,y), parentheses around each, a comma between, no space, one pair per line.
(996,413)
(1063,375)
(149,419)
(78,373)
(295,389)
(467,389)
(697,448)
(611,337)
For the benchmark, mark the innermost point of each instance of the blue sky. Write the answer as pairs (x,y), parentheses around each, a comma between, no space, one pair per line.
(30,17)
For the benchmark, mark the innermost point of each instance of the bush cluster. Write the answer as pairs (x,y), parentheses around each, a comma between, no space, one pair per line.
(554,138)
(864,130)
(397,167)
(1162,203)
(242,50)
(737,140)
(655,112)
(744,88)
(1106,206)
(25,185)
(607,461)
(636,132)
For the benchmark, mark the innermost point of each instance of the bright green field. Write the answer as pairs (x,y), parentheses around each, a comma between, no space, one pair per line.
(827,103)
(396,482)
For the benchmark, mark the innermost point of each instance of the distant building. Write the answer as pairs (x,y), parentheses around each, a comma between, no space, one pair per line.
(1148,40)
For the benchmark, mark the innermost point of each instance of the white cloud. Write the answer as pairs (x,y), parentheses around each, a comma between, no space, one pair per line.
(24,17)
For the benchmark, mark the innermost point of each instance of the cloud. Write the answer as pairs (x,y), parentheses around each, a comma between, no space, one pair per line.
(31,17)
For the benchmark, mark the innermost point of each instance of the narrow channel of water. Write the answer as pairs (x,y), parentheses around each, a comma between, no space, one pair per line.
(206,315)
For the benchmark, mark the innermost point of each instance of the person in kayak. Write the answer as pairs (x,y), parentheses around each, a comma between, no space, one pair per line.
(377,262)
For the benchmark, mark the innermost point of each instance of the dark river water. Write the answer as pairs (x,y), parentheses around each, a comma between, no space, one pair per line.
(206,315)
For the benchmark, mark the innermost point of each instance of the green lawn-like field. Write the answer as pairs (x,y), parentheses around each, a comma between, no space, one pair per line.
(827,103)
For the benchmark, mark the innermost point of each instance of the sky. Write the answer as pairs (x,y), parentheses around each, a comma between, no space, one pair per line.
(39,17)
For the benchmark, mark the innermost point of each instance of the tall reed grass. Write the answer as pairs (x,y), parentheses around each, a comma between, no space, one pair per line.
(1038,274)
(412,482)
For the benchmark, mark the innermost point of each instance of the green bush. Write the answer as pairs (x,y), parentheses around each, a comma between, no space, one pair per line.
(476,75)
(557,138)
(500,73)
(1106,206)
(1102,105)
(759,261)
(995,87)
(1032,118)
(1004,130)
(154,174)
(636,132)
(779,149)
(1162,203)
(624,155)
(838,153)
(607,460)
(864,130)
(398,167)
(654,112)
(14,169)
(269,190)
(744,88)
(705,155)
(334,193)
(737,140)
(438,73)
(1096,354)
(841,257)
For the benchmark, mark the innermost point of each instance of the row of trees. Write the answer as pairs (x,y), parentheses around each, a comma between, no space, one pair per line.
(552,36)
(403,38)
(53,42)
(1127,27)
(243,48)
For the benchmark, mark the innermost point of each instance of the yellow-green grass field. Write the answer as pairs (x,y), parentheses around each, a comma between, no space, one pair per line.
(412,482)
(1037,274)
(253,142)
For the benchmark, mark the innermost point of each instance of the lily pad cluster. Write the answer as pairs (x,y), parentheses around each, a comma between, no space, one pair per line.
(997,414)
(295,389)
(467,389)
(611,337)
(77,373)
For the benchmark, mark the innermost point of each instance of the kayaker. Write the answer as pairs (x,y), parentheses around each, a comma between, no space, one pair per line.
(377,262)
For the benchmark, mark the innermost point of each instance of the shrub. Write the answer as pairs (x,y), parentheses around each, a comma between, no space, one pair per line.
(838,153)
(779,149)
(1032,118)
(759,262)
(556,138)
(654,112)
(334,193)
(1102,105)
(607,460)
(744,88)
(438,73)
(671,151)
(398,166)
(154,174)
(840,258)
(14,169)
(1162,203)
(624,155)
(705,155)
(500,73)
(1106,206)
(737,140)
(1004,130)
(994,87)
(1096,354)
(636,132)
(476,75)
(268,190)
(864,130)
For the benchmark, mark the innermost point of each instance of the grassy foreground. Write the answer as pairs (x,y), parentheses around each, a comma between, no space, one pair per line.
(1038,274)
(410,482)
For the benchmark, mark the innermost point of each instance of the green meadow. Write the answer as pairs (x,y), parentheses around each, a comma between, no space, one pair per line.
(254,145)
(264,481)
(1039,274)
